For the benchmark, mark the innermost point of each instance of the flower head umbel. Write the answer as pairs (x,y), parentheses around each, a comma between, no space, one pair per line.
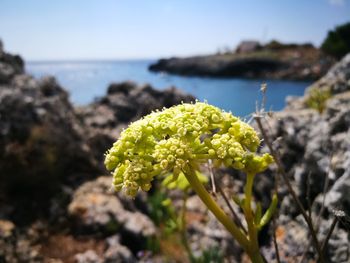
(181,136)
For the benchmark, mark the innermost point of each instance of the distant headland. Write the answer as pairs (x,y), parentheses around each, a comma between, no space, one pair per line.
(251,59)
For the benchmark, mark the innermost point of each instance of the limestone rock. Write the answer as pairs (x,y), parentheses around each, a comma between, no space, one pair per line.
(96,208)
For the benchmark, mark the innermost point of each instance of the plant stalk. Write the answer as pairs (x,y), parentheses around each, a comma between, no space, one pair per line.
(248,213)
(221,215)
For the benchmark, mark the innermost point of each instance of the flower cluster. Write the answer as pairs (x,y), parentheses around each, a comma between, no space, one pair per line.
(183,135)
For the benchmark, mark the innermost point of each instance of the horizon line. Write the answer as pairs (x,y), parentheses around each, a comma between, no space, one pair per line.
(77,60)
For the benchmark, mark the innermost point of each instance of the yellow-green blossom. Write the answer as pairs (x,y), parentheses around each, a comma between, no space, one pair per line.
(185,135)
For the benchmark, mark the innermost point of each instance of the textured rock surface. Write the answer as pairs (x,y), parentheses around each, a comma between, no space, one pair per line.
(20,245)
(315,150)
(42,141)
(117,252)
(337,77)
(10,65)
(96,208)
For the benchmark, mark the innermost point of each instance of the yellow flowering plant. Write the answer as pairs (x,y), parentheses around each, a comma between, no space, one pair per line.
(177,140)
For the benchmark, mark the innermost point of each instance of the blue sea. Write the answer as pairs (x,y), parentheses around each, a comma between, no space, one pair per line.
(87,80)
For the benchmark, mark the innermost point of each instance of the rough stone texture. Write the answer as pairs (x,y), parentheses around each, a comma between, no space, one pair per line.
(315,148)
(10,65)
(96,208)
(117,252)
(88,256)
(1,47)
(294,239)
(20,245)
(204,232)
(338,195)
(125,102)
(337,77)
(42,141)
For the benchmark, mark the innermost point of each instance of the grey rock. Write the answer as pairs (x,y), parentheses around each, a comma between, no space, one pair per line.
(294,239)
(205,232)
(88,256)
(117,252)
(19,245)
(6,72)
(308,140)
(1,47)
(96,208)
(315,148)
(10,65)
(123,87)
(338,195)
(42,142)
(337,78)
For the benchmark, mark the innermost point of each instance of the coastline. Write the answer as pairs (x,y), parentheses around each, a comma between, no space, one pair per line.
(285,62)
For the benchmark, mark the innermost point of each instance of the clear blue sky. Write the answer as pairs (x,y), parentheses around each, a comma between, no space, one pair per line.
(112,29)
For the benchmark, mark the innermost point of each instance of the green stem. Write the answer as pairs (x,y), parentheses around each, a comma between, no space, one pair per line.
(254,252)
(248,190)
(216,210)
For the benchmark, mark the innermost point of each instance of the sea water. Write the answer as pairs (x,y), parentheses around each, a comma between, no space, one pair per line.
(87,80)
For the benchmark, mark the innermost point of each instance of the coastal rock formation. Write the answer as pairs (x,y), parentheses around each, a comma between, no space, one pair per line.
(10,65)
(316,143)
(218,66)
(42,142)
(297,62)
(337,79)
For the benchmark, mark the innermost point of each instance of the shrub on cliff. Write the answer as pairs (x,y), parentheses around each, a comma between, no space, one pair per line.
(337,42)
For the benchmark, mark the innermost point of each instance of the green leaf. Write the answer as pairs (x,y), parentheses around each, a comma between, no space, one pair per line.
(166,202)
(237,200)
(269,212)
(258,213)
